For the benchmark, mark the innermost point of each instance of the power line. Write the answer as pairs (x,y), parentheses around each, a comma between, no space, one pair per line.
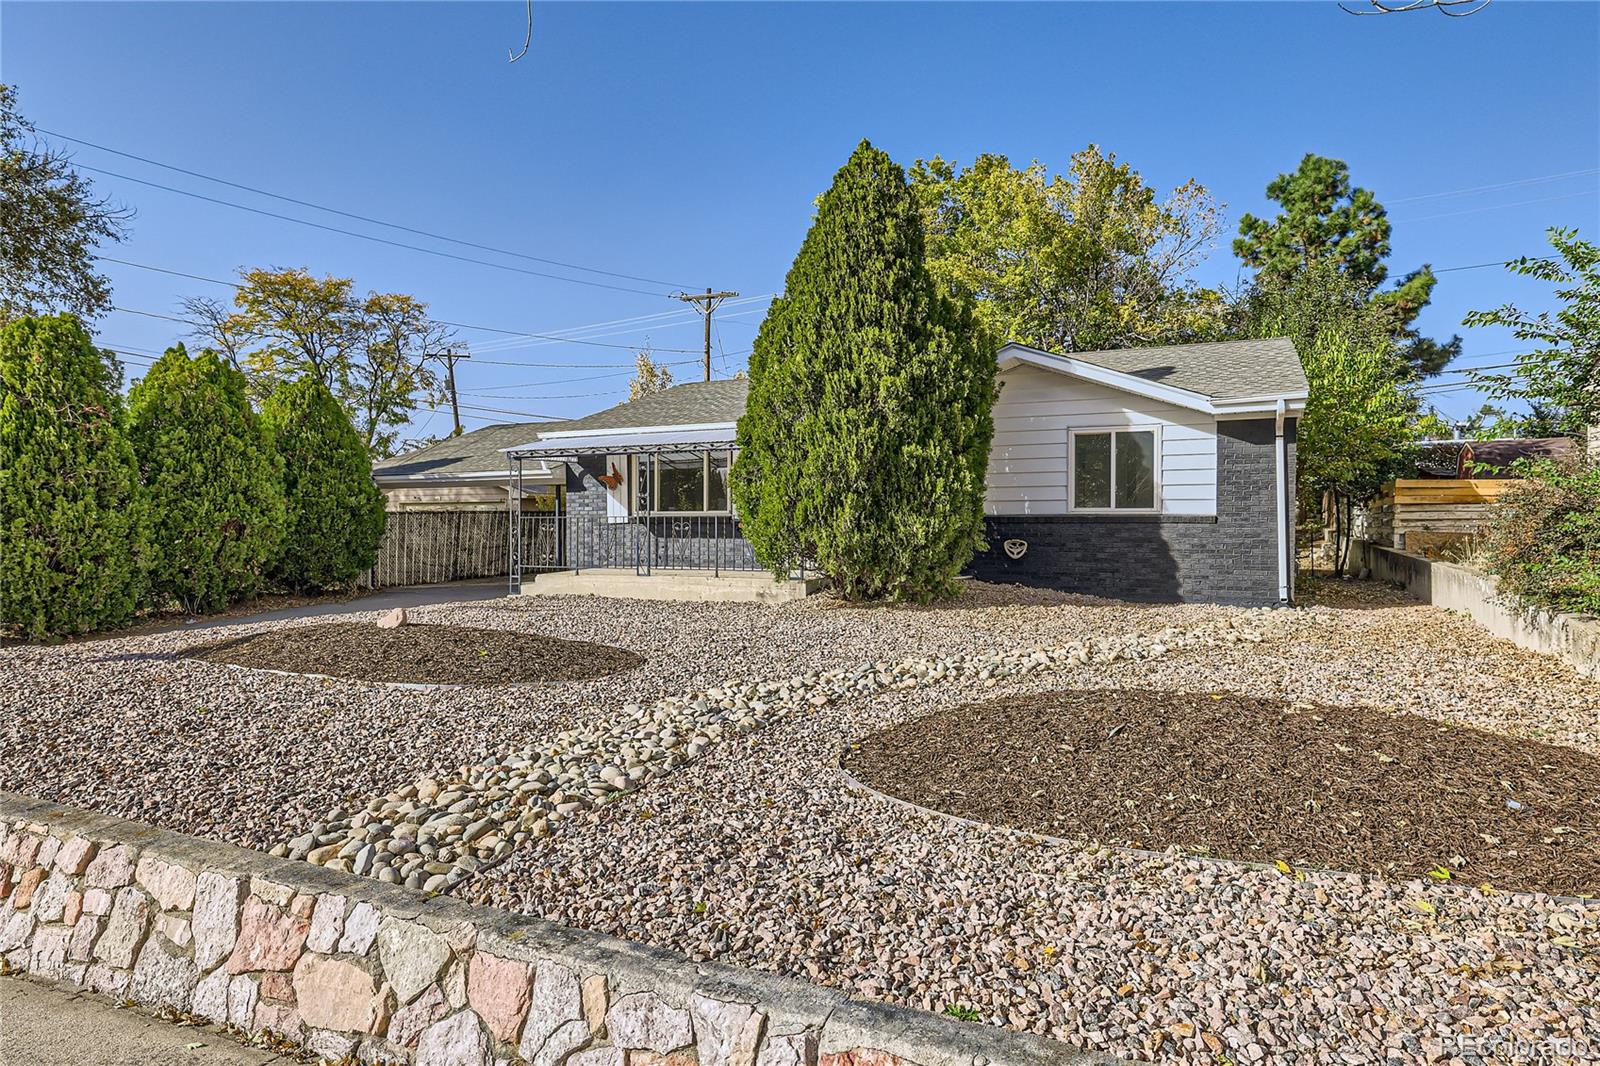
(353,215)
(368,236)
(552,337)
(1497,207)
(1493,188)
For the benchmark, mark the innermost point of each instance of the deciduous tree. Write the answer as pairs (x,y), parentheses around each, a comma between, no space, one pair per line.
(1560,376)
(1077,262)
(865,440)
(648,376)
(213,477)
(373,353)
(51,222)
(74,522)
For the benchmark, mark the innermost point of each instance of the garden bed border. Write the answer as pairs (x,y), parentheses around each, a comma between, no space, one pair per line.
(349,966)
(1574,638)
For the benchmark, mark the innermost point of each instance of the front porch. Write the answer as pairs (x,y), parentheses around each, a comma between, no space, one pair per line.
(644,514)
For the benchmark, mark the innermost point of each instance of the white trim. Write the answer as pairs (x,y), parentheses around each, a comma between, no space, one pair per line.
(619,431)
(1014,354)
(1072,469)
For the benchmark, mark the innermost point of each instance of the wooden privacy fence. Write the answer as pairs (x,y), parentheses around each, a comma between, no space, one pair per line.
(1423,513)
(425,547)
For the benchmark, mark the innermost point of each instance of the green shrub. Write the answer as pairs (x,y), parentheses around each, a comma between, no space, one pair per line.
(1544,544)
(335,511)
(73,516)
(215,482)
(867,433)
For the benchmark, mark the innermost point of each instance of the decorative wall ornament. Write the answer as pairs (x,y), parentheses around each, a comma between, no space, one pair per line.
(613,479)
(1016,548)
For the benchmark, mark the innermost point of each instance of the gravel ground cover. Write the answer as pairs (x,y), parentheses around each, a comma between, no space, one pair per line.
(420,654)
(1347,788)
(759,854)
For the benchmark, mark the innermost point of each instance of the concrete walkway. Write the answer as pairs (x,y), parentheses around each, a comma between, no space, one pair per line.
(43,1026)
(383,600)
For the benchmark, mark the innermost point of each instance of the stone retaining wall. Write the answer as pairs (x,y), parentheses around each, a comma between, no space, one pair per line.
(352,967)
(1571,637)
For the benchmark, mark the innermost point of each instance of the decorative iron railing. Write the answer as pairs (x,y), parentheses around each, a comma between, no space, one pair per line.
(642,543)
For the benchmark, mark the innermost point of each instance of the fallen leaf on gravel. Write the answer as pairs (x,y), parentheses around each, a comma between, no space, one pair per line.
(1439,873)
(1424,906)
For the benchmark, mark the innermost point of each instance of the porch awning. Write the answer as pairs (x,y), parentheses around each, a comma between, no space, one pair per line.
(624,442)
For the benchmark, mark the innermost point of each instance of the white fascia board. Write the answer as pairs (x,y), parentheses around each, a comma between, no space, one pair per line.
(543,470)
(1015,354)
(617,431)
(1294,406)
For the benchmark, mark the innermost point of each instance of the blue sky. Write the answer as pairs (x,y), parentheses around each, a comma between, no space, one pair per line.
(686,143)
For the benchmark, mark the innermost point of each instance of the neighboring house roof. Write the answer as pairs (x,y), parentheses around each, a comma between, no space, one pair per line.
(692,403)
(1219,377)
(477,452)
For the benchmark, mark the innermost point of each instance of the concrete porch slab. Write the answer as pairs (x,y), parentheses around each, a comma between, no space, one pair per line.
(688,585)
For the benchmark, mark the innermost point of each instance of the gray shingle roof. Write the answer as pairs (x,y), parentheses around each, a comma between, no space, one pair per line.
(682,405)
(1222,370)
(476,452)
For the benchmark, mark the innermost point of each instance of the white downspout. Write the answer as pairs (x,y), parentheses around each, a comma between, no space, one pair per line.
(1281,454)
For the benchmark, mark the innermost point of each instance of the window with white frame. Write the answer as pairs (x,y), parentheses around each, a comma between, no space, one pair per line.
(1114,469)
(685,482)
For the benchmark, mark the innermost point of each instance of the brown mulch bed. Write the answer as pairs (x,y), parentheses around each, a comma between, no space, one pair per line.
(1242,778)
(424,654)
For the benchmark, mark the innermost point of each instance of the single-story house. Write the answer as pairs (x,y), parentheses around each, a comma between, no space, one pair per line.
(465,473)
(1154,474)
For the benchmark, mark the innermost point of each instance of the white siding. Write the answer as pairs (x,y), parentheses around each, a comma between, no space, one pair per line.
(1028,462)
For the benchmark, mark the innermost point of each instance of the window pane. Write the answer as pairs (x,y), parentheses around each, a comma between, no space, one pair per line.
(1136,469)
(1091,485)
(681,481)
(717,490)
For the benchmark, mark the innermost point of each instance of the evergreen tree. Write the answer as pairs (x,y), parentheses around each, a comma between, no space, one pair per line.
(214,481)
(335,511)
(1325,220)
(865,440)
(73,517)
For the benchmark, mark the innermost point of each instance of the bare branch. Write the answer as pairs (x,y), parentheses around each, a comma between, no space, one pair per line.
(526,41)
(1453,8)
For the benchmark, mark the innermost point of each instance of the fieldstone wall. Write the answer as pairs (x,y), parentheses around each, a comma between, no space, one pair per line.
(348,966)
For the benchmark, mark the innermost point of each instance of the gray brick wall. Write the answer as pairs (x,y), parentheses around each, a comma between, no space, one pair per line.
(1229,558)
(695,542)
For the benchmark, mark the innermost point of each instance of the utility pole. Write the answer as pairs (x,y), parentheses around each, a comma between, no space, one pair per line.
(449,357)
(706,302)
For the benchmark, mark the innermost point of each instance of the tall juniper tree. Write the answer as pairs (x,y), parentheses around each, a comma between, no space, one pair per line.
(214,479)
(73,516)
(864,443)
(335,511)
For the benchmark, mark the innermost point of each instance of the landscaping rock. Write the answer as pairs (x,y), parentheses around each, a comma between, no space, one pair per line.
(412,956)
(499,990)
(457,1041)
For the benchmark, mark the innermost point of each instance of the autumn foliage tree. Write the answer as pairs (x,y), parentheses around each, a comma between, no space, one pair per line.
(214,480)
(1082,261)
(374,353)
(74,522)
(865,439)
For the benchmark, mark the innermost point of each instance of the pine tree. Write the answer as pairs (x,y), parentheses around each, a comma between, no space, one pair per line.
(214,480)
(335,511)
(73,516)
(866,437)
